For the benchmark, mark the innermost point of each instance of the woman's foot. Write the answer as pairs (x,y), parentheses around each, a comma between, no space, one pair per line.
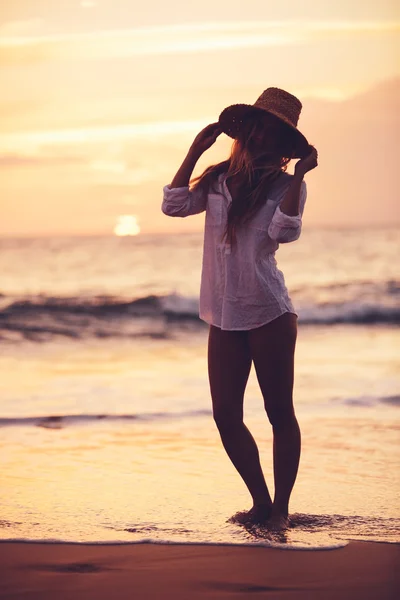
(258,514)
(278,521)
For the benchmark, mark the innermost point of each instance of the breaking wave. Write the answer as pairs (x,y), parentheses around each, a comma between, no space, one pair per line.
(62,421)
(41,317)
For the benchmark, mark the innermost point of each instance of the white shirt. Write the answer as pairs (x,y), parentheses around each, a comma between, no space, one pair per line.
(241,286)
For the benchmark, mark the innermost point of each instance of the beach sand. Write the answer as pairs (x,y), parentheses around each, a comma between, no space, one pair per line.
(361,570)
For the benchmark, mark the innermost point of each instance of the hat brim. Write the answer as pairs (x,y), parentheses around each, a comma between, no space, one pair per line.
(232,117)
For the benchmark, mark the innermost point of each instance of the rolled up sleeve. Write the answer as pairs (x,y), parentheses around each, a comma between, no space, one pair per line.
(182,202)
(286,228)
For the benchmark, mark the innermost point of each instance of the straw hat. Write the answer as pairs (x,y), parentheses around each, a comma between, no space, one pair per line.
(275,101)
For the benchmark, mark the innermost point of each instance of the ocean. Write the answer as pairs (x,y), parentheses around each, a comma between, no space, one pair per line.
(105,412)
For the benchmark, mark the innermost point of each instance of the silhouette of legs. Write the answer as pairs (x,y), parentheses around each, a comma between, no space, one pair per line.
(229,364)
(272,349)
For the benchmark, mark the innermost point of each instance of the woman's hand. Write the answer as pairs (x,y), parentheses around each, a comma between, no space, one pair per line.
(307,163)
(205,139)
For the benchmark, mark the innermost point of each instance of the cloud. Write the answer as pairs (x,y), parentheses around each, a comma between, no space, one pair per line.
(113,137)
(21,160)
(111,166)
(175,39)
(125,165)
(19,29)
(152,130)
(130,167)
(354,185)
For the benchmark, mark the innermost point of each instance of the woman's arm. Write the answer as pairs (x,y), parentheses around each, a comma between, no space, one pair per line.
(178,200)
(185,171)
(290,204)
(202,142)
(286,227)
(286,222)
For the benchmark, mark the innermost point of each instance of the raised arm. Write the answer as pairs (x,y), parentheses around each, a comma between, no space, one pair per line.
(286,222)
(178,200)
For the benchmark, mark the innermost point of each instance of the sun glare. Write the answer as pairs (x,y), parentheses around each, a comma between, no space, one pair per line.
(127,225)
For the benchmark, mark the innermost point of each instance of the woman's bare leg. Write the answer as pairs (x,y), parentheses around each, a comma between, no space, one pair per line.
(229,364)
(272,348)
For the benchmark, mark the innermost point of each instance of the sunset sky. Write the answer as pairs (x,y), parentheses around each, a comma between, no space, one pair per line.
(100,101)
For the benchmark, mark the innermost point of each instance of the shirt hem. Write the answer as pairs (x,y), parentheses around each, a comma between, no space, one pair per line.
(293,312)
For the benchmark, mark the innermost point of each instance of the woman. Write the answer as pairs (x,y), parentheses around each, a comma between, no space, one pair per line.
(251,206)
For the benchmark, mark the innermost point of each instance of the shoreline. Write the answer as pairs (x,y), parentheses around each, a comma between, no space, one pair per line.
(66,570)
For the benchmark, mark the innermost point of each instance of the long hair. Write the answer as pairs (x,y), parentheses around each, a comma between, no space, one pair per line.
(257,171)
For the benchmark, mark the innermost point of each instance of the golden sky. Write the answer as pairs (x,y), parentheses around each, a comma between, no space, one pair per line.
(101,99)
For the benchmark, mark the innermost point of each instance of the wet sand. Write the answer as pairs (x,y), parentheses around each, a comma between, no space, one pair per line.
(361,570)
